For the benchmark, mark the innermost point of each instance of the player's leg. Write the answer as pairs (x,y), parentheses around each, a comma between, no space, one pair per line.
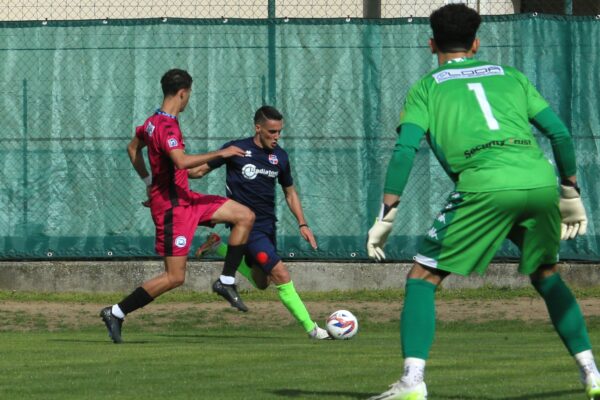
(538,238)
(463,238)
(262,254)
(213,244)
(568,321)
(221,210)
(290,298)
(174,233)
(417,326)
(417,330)
(241,218)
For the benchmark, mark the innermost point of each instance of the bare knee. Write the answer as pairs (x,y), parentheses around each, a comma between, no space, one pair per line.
(244,217)
(262,285)
(428,274)
(176,280)
(279,274)
(543,272)
(260,278)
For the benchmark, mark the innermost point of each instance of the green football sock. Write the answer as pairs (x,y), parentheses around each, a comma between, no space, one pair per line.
(291,300)
(417,321)
(564,312)
(243,269)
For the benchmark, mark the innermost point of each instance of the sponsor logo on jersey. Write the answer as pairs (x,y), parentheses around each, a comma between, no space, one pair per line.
(180,241)
(150,129)
(273,159)
(172,142)
(249,171)
(496,143)
(468,73)
(248,153)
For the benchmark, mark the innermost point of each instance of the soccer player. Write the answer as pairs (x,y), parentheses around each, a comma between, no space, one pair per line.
(176,210)
(477,117)
(251,180)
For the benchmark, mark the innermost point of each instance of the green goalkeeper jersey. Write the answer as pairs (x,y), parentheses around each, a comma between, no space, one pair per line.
(477,118)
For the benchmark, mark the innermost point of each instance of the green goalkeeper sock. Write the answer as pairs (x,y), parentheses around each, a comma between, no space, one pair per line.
(564,312)
(417,321)
(291,300)
(243,268)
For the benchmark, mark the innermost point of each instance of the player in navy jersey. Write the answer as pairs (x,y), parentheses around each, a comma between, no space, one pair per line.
(176,210)
(251,180)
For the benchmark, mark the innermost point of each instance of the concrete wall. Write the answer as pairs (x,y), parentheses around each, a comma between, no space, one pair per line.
(122,276)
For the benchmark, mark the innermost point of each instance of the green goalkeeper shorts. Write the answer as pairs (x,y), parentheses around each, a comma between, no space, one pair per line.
(470,229)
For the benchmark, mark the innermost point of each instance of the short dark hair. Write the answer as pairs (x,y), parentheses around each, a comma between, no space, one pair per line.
(454,27)
(267,112)
(174,80)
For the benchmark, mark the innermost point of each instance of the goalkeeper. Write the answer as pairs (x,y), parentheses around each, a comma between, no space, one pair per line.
(251,180)
(477,118)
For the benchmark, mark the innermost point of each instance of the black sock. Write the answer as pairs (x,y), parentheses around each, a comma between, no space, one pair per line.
(233,258)
(137,299)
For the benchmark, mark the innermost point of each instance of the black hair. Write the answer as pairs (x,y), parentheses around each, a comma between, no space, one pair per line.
(175,79)
(267,112)
(454,27)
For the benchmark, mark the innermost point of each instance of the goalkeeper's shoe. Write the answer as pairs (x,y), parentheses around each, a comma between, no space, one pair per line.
(319,334)
(113,324)
(400,391)
(592,386)
(212,242)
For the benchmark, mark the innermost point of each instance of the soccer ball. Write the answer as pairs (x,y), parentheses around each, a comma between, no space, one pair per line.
(342,324)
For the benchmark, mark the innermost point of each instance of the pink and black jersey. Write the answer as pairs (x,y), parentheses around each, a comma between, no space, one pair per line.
(170,186)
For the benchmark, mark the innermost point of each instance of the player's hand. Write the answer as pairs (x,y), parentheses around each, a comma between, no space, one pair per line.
(146,203)
(380,231)
(307,234)
(573,221)
(232,151)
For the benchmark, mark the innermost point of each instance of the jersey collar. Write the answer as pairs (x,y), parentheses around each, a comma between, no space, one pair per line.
(166,114)
(457,60)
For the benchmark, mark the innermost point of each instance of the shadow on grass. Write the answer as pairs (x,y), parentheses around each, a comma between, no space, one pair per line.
(532,396)
(208,336)
(319,394)
(108,341)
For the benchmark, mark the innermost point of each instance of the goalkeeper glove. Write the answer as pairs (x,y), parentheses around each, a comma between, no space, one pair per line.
(380,231)
(573,219)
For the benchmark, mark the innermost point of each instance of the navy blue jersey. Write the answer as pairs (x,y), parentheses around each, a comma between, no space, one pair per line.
(251,179)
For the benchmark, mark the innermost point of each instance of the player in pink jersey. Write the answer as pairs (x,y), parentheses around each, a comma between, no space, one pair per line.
(176,210)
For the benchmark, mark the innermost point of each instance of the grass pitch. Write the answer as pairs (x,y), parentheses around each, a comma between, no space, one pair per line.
(197,355)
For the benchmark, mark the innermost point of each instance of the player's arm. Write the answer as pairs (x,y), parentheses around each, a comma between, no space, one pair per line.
(199,171)
(187,161)
(293,201)
(574,220)
(397,174)
(134,150)
(562,144)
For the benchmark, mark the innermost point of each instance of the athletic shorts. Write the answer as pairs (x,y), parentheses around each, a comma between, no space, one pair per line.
(261,242)
(470,229)
(175,227)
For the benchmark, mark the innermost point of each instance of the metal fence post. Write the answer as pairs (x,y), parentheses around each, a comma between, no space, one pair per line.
(272,57)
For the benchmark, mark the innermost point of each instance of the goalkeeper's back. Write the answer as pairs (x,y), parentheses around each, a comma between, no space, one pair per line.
(478,118)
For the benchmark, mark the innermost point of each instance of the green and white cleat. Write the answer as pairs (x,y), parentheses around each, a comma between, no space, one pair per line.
(400,391)
(592,386)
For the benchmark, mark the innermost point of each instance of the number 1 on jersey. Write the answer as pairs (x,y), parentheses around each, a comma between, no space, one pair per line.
(484,104)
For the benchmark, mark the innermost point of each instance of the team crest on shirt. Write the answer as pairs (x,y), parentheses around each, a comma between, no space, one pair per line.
(172,142)
(150,129)
(273,159)
(180,241)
